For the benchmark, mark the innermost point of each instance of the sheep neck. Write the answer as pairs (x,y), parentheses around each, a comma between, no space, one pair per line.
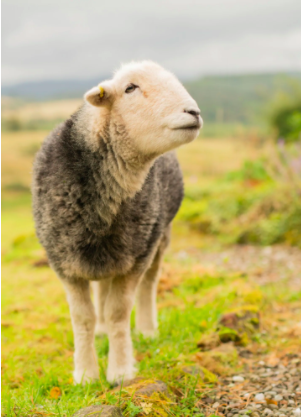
(121,179)
(122,172)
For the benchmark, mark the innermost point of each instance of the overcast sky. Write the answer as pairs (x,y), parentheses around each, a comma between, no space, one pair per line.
(61,39)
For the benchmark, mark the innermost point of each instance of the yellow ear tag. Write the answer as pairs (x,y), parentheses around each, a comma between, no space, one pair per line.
(101,91)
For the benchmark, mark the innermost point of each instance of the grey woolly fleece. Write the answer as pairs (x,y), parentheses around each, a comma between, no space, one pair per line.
(88,223)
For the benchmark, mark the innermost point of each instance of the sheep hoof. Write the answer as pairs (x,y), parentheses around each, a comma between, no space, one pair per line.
(100,329)
(119,376)
(85,377)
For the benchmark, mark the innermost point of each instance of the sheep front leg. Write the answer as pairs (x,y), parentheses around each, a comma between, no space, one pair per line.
(146,316)
(83,323)
(100,292)
(118,307)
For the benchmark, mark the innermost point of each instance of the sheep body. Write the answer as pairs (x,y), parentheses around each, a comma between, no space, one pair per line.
(72,182)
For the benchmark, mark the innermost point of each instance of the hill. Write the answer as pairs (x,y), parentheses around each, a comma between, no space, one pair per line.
(50,89)
(238,98)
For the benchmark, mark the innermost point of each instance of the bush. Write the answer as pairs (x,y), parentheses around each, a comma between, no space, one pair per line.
(263,212)
(285,115)
(250,171)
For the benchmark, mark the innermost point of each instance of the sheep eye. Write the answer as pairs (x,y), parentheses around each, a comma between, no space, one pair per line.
(131,88)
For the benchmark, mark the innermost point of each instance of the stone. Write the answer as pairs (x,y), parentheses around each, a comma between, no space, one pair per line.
(238,378)
(208,342)
(259,397)
(278,397)
(99,411)
(148,390)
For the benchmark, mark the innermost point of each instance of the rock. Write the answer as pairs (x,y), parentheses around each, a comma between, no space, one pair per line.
(227,334)
(99,411)
(209,342)
(236,326)
(148,390)
(238,378)
(259,397)
(267,412)
(297,412)
(278,397)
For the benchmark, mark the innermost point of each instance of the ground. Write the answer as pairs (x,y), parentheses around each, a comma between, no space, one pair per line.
(203,279)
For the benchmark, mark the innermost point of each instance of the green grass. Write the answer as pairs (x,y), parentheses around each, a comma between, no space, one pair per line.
(37,336)
(37,341)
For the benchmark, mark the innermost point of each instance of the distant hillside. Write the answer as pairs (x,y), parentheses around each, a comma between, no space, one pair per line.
(50,89)
(222,99)
(238,98)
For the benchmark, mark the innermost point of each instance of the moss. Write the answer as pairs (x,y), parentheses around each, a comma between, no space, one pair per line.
(209,376)
(228,335)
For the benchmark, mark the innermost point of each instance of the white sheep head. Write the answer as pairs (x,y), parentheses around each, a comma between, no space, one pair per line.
(150,104)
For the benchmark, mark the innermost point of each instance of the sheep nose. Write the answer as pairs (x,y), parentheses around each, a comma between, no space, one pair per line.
(193,112)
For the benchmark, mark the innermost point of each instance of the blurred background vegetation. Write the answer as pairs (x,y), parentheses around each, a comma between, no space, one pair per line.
(243,174)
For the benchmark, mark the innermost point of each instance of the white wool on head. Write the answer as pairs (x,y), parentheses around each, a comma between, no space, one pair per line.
(151,106)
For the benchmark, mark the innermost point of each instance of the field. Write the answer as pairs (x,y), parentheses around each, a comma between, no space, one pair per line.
(235,249)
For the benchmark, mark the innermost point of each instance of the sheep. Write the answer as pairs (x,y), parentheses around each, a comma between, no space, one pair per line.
(106,186)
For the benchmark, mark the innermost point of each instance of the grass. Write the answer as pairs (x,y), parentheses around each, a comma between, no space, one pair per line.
(37,345)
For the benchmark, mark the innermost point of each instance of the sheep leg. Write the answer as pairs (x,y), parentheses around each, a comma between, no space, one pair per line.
(118,307)
(83,323)
(146,314)
(100,292)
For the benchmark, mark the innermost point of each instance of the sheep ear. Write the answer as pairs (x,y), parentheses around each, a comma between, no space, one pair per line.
(97,96)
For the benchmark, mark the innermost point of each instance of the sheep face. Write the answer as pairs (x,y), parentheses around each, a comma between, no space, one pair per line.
(150,105)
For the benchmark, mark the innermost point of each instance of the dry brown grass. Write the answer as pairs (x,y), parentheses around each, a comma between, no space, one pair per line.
(208,157)
(48,110)
(18,149)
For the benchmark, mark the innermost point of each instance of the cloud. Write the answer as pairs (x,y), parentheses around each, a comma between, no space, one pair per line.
(63,39)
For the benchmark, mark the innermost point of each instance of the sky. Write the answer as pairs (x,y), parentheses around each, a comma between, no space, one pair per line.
(78,39)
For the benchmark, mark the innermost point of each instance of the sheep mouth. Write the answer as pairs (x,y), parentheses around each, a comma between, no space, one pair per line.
(189,127)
